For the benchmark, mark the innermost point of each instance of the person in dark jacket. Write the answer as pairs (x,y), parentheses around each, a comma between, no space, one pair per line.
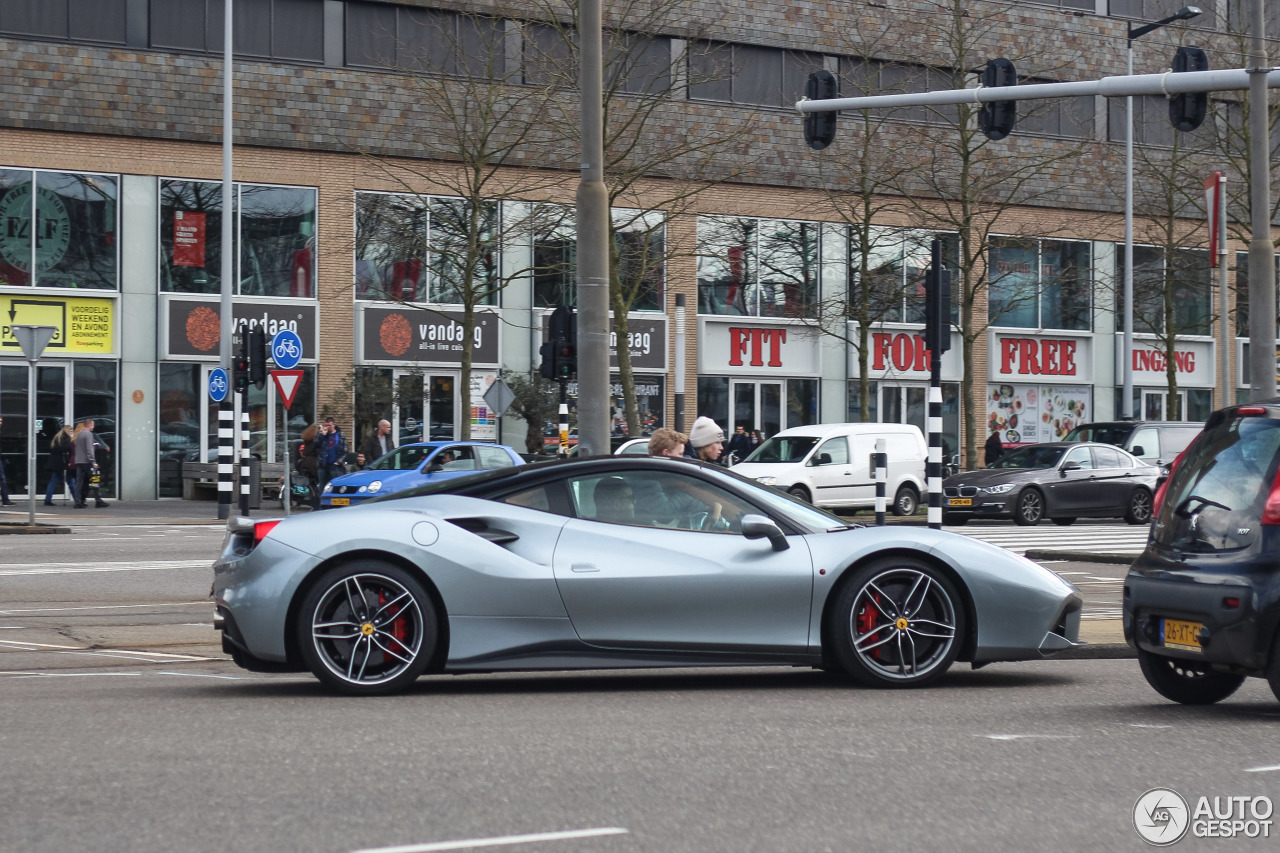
(59,464)
(739,446)
(379,443)
(993,449)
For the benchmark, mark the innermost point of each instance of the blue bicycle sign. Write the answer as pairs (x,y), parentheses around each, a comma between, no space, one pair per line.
(218,384)
(286,349)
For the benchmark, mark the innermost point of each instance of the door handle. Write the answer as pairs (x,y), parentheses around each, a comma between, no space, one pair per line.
(583,567)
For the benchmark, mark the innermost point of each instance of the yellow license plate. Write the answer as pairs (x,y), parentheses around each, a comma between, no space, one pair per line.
(340,502)
(1181,635)
(959,502)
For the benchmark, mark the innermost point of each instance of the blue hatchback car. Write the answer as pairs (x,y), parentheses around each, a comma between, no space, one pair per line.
(415,465)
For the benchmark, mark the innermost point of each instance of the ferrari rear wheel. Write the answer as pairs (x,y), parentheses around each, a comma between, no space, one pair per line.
(897,622)
(1186,682)
(367,628)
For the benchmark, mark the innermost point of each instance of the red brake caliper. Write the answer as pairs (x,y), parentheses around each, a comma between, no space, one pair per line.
(868,616)
(399,628)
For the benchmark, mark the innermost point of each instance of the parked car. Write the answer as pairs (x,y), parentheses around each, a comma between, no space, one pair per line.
(1154,442)
(415,464)
(1061,481)
(1202,602)
(829,465)
(621,562)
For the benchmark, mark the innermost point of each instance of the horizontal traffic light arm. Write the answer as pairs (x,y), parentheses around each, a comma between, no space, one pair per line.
(1168,83)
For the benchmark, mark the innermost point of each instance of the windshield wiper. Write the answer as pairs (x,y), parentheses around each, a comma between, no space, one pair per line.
(1182,510)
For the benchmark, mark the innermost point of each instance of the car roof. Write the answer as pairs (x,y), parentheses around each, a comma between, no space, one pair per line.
(1196,424)
(450,442)
(829,429)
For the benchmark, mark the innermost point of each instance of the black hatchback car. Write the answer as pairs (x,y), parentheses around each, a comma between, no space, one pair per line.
(1202,603)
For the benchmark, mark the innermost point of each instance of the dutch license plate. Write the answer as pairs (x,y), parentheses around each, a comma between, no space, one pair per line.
(959,501)
(1179,634)
(340,502)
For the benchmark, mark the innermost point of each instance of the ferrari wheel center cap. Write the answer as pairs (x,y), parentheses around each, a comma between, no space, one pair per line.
(902,623)
(367,629)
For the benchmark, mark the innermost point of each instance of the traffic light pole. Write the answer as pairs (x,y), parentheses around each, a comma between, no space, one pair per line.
(564,420)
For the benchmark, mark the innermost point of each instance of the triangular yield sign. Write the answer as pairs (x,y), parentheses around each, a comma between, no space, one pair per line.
(287,382)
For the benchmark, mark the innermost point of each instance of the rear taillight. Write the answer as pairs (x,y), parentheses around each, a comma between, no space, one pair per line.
(1158,500)
(262,528)
(1271,510)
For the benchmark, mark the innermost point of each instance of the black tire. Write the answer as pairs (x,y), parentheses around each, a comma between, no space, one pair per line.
(955,520)
(906,501)
(874,612)
(800,492)
(1187,682)
(1139,509)
(362,610)
(1063,522)
(1029,509)
(1273,668)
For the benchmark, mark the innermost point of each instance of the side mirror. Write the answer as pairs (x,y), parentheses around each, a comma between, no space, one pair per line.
(1138,450)
(1070,466)
(762,527)
(822,459)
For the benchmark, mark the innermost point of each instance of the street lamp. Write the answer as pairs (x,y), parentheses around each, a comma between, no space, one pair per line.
(1186,13)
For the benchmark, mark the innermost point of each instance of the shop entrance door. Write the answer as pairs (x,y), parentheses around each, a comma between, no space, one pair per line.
(53,409)
(428,407)
(756,405)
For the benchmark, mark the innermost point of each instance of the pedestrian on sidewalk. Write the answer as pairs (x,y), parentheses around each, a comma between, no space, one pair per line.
(59,465)
(331,453)
(86,464)
(4,483)
(380,443)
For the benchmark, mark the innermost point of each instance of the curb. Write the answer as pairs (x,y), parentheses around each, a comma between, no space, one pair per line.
(1097,651)
(19,528)
(1080,556)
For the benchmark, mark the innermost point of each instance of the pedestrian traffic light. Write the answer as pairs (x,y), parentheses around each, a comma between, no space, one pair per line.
(566,359)
(820,128)
(996,118)
(937,309)
(1187,109)
(240,366)
(258,357)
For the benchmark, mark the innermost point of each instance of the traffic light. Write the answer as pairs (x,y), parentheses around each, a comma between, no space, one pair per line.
(566,359)
(996,118)
(240,365)
(1187,109)
(820,128)
(937,309)
(258,357)
(547,368)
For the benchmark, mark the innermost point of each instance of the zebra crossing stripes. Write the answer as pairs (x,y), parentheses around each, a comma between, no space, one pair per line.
(1109,539)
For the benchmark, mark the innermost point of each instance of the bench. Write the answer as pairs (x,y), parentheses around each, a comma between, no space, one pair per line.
(200,481)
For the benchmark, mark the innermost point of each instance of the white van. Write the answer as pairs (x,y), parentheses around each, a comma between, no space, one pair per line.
(829,465)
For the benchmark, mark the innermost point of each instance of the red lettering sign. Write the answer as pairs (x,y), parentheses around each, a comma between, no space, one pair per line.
(1038,357)
(904,351)
(188,239)
(753,343)
(1154,361)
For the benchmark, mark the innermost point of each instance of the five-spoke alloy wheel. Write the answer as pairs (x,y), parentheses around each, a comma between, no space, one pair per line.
(366,628)
(897,623)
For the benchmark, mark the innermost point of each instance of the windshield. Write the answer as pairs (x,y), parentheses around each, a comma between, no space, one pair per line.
(790,448)
(1032,456)
(403,458)
(1214,499)
(1105,433)
(459,485)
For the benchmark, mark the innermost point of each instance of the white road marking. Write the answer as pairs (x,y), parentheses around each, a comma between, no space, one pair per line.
(103,607)
(474,843)
(1148,726)
(39,645)
(200,675)
(81,568)
(1029,737)
(64,674)
(1262,769)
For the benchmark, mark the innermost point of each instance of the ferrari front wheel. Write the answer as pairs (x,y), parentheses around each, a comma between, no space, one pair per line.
(367,628)
(897,623)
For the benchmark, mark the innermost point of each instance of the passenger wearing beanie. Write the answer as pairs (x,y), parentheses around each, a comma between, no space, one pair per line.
(706,440)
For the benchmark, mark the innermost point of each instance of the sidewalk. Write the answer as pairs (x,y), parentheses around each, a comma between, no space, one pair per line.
(166,511)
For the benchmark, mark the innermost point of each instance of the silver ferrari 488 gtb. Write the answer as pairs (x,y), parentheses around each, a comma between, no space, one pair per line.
(621,562)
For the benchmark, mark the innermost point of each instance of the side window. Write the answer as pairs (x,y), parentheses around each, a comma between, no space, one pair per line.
(536,498)
(1176,440)
(492,457)
(833,451)
(1106,457)
(1148,441)
(1081,455)
(661,499)
(456,458)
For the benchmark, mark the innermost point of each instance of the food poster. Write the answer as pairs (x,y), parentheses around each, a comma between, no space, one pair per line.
(1027,414)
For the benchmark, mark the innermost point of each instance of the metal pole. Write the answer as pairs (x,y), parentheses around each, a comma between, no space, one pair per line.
(228,274)
(1262,268)
(593,244)
(564,419)
(933,468)
(1126,351)
(244,453)
(1224,319)
(680,344)
(286,493)
(880,462)
(31,442)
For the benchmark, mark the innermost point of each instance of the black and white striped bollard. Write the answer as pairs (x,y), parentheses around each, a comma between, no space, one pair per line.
(880,461)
